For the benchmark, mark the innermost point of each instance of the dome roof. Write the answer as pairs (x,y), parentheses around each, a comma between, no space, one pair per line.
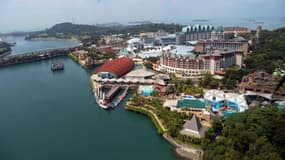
(118,67)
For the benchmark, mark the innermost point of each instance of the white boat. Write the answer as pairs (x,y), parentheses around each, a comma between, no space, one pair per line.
(100,96)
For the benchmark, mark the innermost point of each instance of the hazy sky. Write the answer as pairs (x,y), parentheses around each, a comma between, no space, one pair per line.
(39,14)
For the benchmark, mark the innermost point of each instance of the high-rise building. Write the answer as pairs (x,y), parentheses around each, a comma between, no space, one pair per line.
(194,33)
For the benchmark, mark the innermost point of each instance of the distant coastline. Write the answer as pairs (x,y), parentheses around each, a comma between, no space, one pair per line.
(200,20)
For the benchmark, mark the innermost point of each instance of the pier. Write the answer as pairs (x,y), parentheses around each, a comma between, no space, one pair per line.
(35,56)
(121,97)
(112,92)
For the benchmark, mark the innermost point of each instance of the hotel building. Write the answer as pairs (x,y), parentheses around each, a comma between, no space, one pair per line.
(188,64)
(194,33)
(203,46)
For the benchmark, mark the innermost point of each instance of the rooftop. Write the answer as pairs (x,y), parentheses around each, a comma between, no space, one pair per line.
(140,73)
(197,28)
(180,50)
(193,128)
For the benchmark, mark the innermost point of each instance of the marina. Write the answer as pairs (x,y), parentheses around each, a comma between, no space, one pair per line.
(65,117)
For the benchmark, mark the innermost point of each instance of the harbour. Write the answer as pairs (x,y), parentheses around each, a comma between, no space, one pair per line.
(56,117)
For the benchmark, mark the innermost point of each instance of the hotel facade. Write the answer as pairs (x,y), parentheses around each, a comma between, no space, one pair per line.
(204,46)
(194,33)
(200,64)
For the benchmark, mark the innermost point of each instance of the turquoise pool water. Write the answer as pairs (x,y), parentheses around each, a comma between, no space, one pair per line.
(191,103)
(215,106)
(147,92)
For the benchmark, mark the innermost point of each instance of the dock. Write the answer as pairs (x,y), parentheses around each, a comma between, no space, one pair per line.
(121,97)
(112,92)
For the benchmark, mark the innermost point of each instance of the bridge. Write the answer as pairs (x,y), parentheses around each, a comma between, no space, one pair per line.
(35,56)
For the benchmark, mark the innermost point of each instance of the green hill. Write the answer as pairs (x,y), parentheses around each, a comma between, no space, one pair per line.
(269,53)
(69,30)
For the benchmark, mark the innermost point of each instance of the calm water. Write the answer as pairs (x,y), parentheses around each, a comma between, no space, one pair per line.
(24,46)
(48,115)
(251,23)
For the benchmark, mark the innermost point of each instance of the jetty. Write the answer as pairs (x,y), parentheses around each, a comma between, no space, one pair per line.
(121,97)
(112,92)
(35,56)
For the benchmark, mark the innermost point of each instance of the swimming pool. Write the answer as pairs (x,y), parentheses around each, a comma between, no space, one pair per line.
(215,106)
(146,92)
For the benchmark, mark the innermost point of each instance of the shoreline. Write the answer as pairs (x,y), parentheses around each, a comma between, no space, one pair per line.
(182,150)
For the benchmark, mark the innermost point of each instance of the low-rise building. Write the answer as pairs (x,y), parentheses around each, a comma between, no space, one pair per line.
(112,38)
(262,84)
(194,128)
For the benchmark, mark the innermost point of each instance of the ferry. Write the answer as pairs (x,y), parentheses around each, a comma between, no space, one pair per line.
(57,66)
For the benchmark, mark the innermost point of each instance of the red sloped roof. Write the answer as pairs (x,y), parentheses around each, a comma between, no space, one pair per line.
(119,66)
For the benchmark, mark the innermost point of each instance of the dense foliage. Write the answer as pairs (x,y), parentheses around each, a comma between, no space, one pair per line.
(257,133)
(209,82)
(267,54)
(178,86)
(94,32)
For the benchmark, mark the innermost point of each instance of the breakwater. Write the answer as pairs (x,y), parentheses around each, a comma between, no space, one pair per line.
(35,56)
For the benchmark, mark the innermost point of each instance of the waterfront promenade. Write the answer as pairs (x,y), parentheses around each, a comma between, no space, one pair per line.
(35,56)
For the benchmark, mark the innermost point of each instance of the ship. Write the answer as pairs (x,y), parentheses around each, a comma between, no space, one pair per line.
(100,98)
(105,100)
(57,66)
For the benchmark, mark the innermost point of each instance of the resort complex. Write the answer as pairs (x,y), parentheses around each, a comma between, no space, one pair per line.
(191,81)
(142,80)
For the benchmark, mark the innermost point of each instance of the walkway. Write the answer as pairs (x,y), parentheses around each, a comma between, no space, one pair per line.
(155,116)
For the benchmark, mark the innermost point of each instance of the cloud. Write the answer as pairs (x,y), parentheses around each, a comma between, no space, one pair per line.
(43,13)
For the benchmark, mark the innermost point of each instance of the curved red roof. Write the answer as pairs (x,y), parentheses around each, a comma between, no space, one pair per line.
(118,67)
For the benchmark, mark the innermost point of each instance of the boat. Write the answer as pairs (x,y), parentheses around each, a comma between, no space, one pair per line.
(107,104)
(57,66)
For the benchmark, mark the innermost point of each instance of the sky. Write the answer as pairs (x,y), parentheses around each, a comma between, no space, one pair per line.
(27,15)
